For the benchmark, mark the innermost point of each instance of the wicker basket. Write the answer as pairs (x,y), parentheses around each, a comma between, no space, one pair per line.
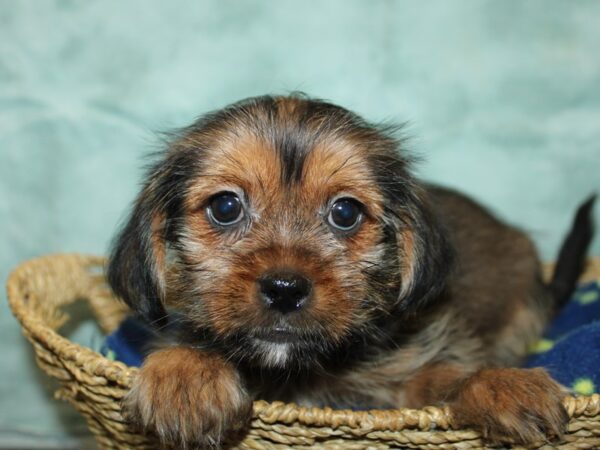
(39,290)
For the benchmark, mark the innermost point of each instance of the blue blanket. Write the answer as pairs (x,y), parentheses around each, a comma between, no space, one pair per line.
(569,350)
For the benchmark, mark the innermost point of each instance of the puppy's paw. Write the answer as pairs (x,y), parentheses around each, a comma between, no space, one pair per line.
(189,399)
(519,405)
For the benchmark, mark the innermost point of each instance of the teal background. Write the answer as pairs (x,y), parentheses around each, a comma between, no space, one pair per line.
(502,100)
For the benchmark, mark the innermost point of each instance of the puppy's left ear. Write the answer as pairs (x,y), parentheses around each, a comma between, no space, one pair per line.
(425,253)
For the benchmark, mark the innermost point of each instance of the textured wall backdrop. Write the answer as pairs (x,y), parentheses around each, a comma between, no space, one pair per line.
(502,97)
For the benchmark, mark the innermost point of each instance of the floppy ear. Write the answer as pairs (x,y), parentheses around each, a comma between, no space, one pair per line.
(136,267)
(425,253)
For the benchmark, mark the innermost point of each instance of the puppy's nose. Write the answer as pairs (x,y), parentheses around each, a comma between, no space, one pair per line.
(284,291)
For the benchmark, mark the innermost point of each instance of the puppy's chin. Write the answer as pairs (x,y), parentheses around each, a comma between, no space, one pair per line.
(282,347)
(278,349)
(273,354)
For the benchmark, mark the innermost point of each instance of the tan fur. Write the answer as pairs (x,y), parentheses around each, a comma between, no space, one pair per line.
(245,162)
(524,404)
(159,249)
(188,398)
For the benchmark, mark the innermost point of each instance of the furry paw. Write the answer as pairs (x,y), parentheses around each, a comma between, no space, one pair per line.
(518,405)
(189,399)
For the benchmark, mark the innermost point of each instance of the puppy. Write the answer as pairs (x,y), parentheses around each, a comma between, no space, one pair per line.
(292,255)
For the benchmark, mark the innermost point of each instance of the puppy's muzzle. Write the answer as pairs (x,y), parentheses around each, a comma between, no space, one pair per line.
(284,292)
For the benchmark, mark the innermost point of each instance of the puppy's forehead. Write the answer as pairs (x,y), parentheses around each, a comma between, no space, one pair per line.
(288,149)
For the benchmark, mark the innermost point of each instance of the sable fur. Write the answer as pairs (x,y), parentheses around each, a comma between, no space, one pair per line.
(187,396)
(521,403)
(406,310)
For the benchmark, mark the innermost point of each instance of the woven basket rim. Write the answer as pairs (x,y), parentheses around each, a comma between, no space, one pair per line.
(107,370)
(37,327)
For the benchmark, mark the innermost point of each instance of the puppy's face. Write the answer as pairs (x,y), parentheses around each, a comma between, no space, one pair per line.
(282,229)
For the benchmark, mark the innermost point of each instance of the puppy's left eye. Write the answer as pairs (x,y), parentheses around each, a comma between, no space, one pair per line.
(225,209)
(345,214)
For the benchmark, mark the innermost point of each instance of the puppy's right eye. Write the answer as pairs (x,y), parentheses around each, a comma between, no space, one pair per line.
(225,209)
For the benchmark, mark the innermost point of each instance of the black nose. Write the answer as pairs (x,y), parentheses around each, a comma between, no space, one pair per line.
(284,291)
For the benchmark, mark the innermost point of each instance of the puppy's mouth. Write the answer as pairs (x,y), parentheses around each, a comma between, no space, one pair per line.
(276,335)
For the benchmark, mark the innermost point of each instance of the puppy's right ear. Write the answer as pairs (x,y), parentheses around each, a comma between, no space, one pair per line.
(136,267)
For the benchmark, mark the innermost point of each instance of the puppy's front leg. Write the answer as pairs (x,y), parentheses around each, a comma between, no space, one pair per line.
(504,404)
(189,398)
